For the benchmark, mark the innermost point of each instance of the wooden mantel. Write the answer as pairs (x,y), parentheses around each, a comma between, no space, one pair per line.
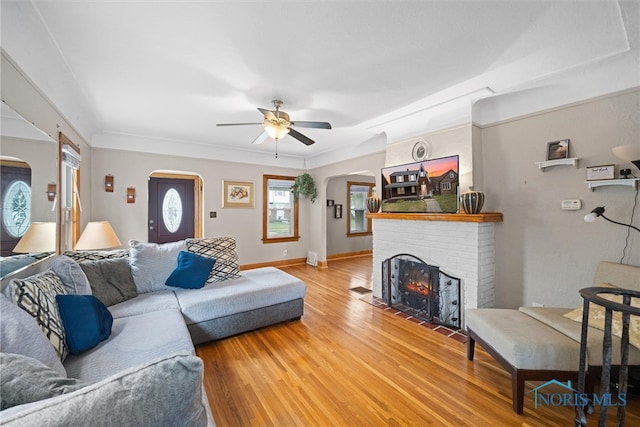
(456,217)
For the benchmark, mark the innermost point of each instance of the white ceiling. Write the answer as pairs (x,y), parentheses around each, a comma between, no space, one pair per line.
(159,75)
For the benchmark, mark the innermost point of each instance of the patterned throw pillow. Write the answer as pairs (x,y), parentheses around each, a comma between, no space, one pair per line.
(597,316)
(82,256)
(223,250)
(37,296)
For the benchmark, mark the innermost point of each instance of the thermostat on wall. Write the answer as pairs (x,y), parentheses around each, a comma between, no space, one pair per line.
(571,205)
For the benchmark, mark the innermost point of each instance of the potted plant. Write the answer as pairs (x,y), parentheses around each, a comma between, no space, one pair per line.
(304,186)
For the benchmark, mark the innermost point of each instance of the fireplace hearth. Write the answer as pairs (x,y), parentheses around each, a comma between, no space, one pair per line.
(421,290)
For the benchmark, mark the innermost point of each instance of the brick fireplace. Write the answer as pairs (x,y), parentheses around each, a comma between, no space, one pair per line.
(463,245)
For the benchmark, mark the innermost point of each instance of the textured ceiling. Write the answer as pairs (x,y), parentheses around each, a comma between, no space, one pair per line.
(170,70)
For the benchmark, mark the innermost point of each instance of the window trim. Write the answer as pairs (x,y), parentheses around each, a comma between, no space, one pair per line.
(369,231)
(265,211)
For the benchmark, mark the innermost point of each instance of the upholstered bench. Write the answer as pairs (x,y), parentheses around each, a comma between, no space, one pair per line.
(527,348)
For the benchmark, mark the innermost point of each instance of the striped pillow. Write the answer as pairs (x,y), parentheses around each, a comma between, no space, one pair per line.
(223,250)
(37,296)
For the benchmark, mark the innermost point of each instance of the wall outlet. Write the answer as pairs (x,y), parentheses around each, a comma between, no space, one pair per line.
(285,252)
(213,214)
(571,205)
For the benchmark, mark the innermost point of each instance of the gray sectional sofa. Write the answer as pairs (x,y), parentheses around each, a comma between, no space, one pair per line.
(146,371)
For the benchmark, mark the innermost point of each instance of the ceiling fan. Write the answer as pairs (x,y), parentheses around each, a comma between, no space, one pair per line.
(277,124)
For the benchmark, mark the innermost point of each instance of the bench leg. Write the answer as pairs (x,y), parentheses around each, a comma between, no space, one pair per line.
(517,392)
(471,345)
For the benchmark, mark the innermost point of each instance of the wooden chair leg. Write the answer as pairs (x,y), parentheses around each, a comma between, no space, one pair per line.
(471,345)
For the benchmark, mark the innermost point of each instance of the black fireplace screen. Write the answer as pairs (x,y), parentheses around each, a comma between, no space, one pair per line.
(421,290)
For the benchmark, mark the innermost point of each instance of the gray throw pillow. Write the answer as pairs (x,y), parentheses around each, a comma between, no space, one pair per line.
(153,263)
(26,380)
(20,334)
(72,276)
(110,279)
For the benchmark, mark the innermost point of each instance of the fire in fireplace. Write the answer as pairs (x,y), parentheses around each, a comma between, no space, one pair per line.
(421,290)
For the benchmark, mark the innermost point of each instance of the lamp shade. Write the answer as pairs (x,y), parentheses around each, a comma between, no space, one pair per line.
(629,152)
(97,235)
(39,237)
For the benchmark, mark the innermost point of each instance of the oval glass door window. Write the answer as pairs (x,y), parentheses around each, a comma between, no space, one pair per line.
(17,208)
(172,210)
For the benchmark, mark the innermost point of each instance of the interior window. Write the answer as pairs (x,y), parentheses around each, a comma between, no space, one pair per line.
(358,222)
(279,211)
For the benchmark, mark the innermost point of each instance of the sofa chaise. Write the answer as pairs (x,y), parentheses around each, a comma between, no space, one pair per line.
(144,372)
(543,343)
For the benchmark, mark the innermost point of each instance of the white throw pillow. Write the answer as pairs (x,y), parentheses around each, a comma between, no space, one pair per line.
(153,263)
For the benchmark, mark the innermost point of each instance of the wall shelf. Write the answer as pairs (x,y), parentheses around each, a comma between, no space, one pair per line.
(629,182)
(573,161)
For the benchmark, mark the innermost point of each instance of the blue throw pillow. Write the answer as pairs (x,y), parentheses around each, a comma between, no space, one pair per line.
(192,271)
(86,320)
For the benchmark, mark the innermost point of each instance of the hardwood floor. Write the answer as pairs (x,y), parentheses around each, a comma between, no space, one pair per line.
(347,363)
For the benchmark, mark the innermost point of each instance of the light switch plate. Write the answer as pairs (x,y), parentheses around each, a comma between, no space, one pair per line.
(571,205)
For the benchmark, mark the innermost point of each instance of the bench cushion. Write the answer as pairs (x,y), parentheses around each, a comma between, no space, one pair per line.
(523,341)
(554,318)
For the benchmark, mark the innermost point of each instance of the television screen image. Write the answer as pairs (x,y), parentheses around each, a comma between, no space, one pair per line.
(429,186)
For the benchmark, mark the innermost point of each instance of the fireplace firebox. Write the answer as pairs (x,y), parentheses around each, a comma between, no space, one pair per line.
(421,290)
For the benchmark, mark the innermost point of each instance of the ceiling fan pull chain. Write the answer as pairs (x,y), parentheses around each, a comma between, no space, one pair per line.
(276,148)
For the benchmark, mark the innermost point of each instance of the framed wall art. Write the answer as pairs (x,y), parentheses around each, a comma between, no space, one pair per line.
(237,194)
(558,150)
(595,173)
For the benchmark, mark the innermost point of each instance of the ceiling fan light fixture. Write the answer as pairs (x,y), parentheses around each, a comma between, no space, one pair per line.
(276,131)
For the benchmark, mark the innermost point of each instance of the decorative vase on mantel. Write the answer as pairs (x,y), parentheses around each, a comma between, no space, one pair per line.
(471,201)
(373,204)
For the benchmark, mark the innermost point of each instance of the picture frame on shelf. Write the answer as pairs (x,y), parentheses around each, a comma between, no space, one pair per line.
(558,149)
(238,194)
(597,173)
(338,211)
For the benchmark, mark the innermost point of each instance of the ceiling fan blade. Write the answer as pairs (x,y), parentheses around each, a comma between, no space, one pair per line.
(268,114)
(260,138)
(317,125)
(300,137)
(237,124)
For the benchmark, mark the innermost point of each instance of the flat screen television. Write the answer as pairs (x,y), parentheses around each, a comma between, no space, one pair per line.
(429,186)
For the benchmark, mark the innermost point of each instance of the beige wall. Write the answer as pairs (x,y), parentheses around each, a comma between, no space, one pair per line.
(365,165)
(21,95)
(337,240)
(129,220)
(545,254)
